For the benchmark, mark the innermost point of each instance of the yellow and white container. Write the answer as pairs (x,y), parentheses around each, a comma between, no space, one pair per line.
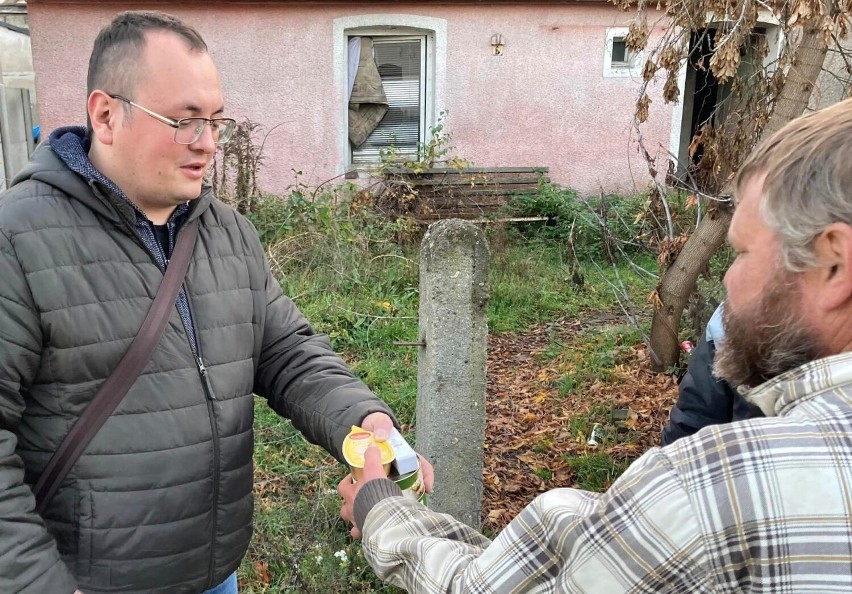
(410,482)
(356,443)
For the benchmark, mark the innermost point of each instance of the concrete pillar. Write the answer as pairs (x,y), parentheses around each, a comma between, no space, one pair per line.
(454,263)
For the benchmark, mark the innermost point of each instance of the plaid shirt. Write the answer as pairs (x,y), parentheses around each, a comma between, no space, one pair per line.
(763,505)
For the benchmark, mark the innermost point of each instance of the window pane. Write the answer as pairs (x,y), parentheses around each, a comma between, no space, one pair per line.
(619,51)
(399,66)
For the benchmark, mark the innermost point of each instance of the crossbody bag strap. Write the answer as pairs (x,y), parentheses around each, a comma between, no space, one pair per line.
(113,390)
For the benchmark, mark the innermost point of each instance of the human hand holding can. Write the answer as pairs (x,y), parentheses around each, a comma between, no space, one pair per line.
(355,445)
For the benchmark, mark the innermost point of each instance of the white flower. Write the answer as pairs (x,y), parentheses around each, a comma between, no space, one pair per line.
(341,554)
(318,558)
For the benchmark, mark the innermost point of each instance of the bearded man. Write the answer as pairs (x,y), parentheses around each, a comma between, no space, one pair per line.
(761,505)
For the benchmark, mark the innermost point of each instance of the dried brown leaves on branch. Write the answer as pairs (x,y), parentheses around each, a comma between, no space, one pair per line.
(739,45)
(748,47)
(747,57)
(235,168)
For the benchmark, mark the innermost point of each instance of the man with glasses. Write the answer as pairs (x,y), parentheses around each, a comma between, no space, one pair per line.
(161,499)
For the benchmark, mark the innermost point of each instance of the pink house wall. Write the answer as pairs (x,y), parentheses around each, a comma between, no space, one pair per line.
(545,102)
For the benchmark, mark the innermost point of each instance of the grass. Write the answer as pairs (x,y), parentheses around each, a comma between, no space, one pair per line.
(595,472)
(356,284)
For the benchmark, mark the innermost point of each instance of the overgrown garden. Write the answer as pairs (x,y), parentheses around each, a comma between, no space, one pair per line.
(568,313)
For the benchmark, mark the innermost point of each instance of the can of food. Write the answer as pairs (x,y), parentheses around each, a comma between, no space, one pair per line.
(411,484)
(355,445)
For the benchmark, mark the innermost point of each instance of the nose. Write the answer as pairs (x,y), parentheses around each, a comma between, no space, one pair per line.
(726,280)
(205,142)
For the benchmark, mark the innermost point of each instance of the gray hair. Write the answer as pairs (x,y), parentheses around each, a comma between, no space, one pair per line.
(808,184)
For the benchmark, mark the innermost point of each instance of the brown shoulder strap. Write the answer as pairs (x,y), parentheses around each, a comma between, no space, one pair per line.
(115,387)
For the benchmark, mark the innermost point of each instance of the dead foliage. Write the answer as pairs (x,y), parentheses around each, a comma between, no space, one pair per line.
(532,429)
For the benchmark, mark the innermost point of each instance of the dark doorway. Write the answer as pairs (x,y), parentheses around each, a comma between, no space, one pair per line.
(706,87)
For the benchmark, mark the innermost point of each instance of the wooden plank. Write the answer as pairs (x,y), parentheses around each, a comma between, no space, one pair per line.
(485,199)
(467,170)
(514,190)
(475,193)
(482,220)
(476,177)
(468,208)
(449,181)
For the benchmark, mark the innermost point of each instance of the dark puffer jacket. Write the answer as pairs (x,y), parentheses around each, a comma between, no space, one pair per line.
(703,399)
(161,501)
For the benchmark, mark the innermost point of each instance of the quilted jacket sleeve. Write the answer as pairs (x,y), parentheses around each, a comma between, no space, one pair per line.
(305,380)
(29,559)
(702,399)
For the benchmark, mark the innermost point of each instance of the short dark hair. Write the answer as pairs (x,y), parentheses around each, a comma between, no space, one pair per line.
(114,63)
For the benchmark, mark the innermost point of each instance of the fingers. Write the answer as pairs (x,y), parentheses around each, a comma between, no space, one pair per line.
(341,486)
(348,490)
(427,472)
(379,424)
(373,467)
(372,457)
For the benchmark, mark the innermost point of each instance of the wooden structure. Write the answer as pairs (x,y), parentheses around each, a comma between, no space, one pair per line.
(473,193)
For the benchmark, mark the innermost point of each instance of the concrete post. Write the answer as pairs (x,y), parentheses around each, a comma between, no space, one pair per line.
(454,263)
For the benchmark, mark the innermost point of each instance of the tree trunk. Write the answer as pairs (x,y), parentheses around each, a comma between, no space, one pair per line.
(679,280)
(801,79)
(678,283)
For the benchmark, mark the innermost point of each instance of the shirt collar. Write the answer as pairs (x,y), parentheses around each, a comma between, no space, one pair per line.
(781,394)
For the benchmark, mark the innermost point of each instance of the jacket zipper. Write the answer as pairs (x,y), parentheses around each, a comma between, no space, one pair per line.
(211,413)
(205,379)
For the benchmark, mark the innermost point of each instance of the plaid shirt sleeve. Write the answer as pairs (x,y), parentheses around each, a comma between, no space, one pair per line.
(641,536)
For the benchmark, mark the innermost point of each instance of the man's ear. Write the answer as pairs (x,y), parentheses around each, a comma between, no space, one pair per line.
(104,116)
(833,251)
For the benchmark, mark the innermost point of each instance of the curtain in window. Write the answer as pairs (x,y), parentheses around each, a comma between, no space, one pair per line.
(352,64)
(368,103)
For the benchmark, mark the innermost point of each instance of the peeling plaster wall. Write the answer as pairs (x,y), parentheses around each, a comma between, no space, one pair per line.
(544,102)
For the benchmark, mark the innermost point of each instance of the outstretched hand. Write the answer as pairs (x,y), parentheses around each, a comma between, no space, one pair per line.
(381,425)
(348,488)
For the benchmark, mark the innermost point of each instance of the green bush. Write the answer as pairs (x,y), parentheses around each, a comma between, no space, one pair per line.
(604,226)
(599,226)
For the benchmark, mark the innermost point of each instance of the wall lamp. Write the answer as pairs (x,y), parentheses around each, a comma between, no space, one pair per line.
(497,44)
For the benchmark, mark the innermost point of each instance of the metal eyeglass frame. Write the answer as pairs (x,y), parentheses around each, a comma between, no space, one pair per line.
(224,132)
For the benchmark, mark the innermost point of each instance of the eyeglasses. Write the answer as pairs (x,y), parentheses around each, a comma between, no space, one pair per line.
(189,130)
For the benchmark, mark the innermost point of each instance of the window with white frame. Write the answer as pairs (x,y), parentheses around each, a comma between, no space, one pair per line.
(401,62)
(619,60)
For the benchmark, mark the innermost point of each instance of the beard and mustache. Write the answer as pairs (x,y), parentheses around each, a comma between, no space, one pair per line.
(767,339)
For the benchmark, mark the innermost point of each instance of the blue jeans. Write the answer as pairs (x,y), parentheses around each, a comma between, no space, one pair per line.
(229,586)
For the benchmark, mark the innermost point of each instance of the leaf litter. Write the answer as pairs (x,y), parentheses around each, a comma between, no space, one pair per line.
(534,429)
